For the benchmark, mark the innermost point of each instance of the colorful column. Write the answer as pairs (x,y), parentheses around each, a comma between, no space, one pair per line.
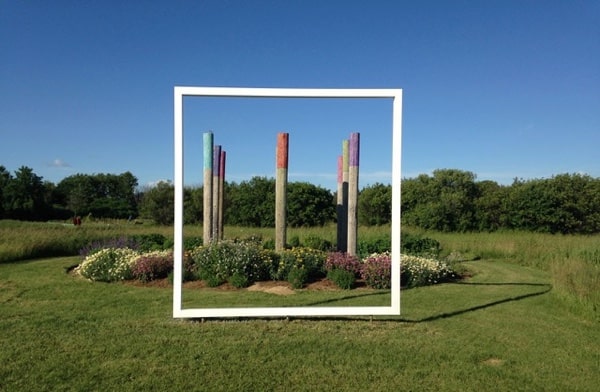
(353,155)
(281,191)
(215,193)
(221,192)
(207,188)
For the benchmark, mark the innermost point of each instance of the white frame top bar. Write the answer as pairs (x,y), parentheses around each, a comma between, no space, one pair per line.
(286,92)
(183,91)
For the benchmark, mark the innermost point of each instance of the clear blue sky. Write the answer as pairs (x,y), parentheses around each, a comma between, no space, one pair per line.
(504,89)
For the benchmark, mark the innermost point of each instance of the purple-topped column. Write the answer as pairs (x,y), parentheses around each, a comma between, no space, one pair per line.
(353,158)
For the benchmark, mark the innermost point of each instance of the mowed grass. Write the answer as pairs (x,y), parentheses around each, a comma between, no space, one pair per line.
(504,329)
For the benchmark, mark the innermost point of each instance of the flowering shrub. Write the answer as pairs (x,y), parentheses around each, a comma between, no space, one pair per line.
(343,261)
(108,265)
(342,269)
(414,271)
(152,265)
(377,271)
(420,271)
(311,260)
(218,262)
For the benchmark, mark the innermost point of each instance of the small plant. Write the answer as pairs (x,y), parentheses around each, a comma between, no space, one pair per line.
(239,280)
(297,276)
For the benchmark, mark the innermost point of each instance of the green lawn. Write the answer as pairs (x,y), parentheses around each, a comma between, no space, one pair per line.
(504,329)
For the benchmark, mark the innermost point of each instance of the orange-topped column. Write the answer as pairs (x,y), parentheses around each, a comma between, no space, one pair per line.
(281,190)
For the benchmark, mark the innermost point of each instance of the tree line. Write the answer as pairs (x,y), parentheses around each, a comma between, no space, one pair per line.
(447,200)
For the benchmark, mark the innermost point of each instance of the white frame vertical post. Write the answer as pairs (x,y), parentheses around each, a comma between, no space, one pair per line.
(393,309)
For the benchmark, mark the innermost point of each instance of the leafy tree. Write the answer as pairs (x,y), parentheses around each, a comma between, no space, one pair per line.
(490,211)
(102,195)
(24,195)
(5,178)
(76,193)
(252,203)
(442,202)
(193,205)
(562,204)
(309,205)
(157,203)
(375,205)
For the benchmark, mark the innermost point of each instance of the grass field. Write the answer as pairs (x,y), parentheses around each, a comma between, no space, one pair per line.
(504,329)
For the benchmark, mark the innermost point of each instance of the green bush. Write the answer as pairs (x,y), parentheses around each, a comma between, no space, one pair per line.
(149,242)
(373,245)
(293,242)
(420,246)
(344,279)
(192,242)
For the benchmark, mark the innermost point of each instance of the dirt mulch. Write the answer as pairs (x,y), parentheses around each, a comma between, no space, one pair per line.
(272,287)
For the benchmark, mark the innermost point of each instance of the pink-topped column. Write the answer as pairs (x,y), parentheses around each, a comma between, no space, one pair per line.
(215,196)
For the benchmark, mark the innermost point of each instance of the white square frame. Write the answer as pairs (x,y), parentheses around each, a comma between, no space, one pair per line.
(182,91)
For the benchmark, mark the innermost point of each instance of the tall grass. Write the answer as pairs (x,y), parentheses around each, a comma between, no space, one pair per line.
(28,240)
(572,260)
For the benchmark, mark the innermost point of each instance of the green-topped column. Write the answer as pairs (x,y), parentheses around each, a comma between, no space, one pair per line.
(207,188)
(353,158)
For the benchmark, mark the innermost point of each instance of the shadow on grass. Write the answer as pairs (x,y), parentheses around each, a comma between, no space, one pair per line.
(546,288)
